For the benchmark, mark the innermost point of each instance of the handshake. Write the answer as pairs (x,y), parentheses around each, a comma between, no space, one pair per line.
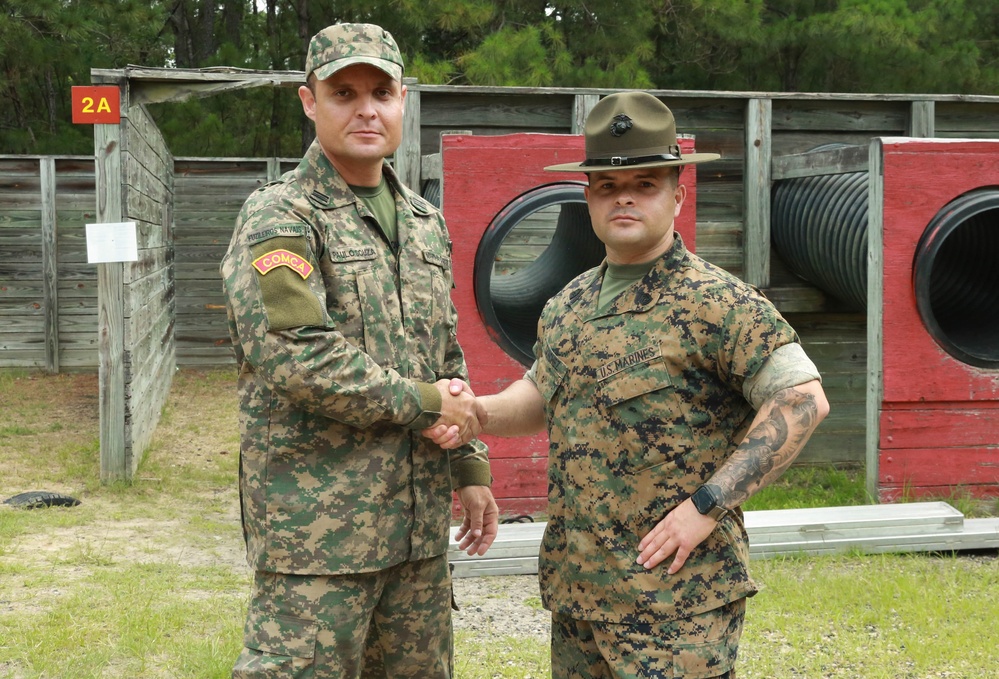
(463,416)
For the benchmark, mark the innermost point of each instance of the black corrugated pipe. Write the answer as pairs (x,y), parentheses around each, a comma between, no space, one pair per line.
(956,277)
(819,228)
(511,305)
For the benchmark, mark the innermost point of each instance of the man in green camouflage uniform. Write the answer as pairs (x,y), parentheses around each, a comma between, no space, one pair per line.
(338,284)
(672,391)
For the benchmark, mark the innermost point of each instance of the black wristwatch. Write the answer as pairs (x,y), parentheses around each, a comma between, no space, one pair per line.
(706,502)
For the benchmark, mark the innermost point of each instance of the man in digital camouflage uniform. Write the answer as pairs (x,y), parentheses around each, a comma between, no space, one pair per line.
(672,391)
(338,284)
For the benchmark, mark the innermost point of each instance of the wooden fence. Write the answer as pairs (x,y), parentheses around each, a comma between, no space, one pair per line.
(48,292)
(135,299)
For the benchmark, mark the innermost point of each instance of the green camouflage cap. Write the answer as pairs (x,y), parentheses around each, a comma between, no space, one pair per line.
(343,45)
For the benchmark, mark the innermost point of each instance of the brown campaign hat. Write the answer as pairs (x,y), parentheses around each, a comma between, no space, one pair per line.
(630,131)
(343,45)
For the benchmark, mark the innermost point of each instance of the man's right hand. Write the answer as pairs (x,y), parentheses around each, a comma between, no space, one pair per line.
(459,420)
(518,410)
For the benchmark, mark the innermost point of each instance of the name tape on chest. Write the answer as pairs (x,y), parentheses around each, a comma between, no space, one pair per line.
(278,258)
(432,257)
(358,254)
(617,365)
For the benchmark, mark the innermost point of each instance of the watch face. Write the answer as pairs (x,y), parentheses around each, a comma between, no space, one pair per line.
(703,500)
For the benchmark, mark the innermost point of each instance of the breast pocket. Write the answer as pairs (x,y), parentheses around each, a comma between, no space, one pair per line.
(441,321)
(641,401)
(381,316)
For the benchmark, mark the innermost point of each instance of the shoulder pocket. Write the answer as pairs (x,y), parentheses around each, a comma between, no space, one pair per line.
(284,267)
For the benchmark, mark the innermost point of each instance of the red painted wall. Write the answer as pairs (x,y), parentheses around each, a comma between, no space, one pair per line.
(938,421)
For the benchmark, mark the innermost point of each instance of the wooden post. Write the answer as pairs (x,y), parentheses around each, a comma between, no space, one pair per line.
(50,263)
(110,304)
(875,302)
(407,157)
(582,104)
(273,169)
(922,119)
(756,232)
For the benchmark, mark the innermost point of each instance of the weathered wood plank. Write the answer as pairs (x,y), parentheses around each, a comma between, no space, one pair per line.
(921,119)
(938,427)
(875,303)
(518,112)
(110,279)
(931,466)
(407,156)
(50,256)
(957,119)
(872,116)
(150,259)
(831,161)
(756,267)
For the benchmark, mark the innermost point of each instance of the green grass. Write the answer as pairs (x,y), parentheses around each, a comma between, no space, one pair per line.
(146,579)
(843,617)
(816,486)
(873,616)
(138,619)
(500,657)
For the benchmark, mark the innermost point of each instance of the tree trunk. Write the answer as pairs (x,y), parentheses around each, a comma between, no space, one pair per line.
(50,100)
(205,45)
(179,23)
(233,13)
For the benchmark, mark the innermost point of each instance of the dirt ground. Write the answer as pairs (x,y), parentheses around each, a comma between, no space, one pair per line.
(49,441)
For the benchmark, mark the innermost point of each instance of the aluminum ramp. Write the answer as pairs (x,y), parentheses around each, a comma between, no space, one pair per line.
(906,527)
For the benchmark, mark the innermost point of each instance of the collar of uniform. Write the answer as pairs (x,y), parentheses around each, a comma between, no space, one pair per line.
(417,204)
(646,294)
(320,182)
(326,189)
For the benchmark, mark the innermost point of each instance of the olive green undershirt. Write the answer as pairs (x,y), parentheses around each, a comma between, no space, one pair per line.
(619,277)
(380,200)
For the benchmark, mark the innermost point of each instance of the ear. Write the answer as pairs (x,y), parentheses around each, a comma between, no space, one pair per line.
(680,196)
(308,102)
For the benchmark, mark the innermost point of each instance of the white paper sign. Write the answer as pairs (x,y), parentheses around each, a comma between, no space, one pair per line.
(112,242)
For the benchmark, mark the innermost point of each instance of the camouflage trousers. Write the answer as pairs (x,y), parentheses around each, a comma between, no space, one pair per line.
(700,646)
(394,623)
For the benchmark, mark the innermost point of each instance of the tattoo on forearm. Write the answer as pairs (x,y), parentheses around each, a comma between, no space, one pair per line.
(769,448)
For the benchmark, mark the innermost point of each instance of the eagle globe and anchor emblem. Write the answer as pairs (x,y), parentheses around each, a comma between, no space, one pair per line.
(620,124)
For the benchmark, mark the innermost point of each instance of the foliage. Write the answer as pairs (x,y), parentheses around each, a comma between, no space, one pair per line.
(47,46)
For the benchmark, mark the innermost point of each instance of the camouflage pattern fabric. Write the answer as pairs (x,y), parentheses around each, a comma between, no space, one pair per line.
(583,649)
(644,402)
(296,625)
(337,333)
(342,45)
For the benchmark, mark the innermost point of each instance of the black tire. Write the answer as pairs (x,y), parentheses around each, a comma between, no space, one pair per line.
(36,499)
